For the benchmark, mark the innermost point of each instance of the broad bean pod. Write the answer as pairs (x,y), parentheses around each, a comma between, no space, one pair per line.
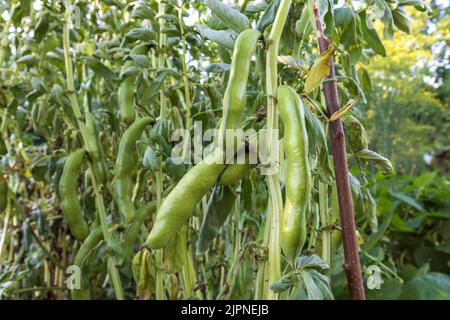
(298,172)
(126,164)
(125,96)
(69,202)
(182,200)
(95,149)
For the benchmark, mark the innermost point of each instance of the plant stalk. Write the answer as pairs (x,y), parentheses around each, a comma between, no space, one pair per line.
(273,183)
(352,264)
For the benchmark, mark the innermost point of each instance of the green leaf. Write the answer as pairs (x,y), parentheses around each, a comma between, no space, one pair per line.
(408,200)
(328,18)
(150,161)
(141,60)
(175,171)
(217,67)
(142,11)
(425,179)
(269,16)
(215,23)
(355,185)
(42,27)
(365,80)
(303,26)
(29,59)
(410,3)
(401,19)
(224,38)
(317,285)
(355,134)
(256,7)
(431,286)
(312,261)
(373,239)
(390,290)
(388,21)
(153,89)
(38,84)
(349,31)
(99,68)
(284,283)
(444,247)
(399,224)
(370,35)
(377,159)
(144,34)
(319,70)
(318,145)
(233,18)
(217,211)
(128,72)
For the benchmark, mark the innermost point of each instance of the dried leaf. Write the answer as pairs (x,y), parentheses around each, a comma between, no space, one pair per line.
(319,70)
(338,114)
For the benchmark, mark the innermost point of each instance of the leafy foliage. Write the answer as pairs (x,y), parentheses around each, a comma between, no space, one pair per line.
(178,56)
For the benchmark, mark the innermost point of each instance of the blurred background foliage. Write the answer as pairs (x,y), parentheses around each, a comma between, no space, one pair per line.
(408,110)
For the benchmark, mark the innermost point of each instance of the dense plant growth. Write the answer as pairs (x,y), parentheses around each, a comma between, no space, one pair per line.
(94,204)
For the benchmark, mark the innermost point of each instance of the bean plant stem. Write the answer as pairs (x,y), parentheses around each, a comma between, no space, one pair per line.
(4,232)
(187,93)
(273,182)
(159,175)
(352,265)
(112,269)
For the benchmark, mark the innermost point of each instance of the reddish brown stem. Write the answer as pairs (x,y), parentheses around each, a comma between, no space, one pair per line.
(351,265)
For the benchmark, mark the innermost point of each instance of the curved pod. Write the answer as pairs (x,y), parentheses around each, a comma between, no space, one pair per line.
(298,173)
(69,202)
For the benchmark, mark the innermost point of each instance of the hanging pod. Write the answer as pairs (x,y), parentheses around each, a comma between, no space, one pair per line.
(67,189)
(178,206)
(298,172)
(126,164)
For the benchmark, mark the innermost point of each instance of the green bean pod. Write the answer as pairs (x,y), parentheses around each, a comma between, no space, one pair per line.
(69,202)
(95,149)
(178,206)
(125,96)
(233,173)
(126,164)
(298,173)
(235,98)
(88,245)
(133,229)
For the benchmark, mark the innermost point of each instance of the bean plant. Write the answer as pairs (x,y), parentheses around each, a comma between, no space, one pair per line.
(93,203)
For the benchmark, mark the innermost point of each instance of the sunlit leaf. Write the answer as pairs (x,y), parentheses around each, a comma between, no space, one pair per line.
(319,70)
